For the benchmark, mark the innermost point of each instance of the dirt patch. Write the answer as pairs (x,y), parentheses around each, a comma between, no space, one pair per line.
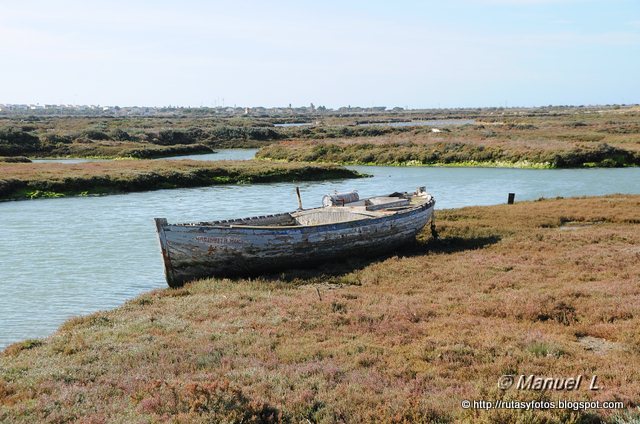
(576,225)
(597,345)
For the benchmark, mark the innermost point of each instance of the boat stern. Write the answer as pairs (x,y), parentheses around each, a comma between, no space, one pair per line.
(161,223)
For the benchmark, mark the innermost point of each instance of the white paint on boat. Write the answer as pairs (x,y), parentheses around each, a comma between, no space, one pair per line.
(260,244)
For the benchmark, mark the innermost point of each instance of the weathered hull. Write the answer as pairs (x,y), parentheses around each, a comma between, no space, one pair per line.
(197,251)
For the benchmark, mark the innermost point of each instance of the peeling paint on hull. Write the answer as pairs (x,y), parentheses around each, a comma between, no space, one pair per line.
(192,251)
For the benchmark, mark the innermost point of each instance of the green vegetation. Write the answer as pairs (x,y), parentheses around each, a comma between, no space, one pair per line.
(447,154)
(141,138)
(550,288)
(15,159)
(127,150)
(89,143)
(562,137)
(38,180)
(605,139)
(17,141)
(559,138)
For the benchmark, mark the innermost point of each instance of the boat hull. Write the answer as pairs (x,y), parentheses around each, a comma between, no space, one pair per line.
(198,251)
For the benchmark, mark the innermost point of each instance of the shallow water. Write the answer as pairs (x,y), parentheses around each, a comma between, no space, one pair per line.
(293,124)
(430,123)
(222,154)
(65,257)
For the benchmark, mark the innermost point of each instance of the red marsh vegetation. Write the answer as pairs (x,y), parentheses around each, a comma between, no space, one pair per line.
(550,288)
(31,180)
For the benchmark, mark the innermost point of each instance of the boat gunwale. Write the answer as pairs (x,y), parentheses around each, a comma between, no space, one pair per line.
(426,205)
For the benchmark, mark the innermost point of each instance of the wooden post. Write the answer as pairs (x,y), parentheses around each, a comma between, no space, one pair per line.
(299,198)
(511,199)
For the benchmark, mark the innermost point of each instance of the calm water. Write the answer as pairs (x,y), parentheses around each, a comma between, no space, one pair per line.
(223,154)
(65,257)
(293,124)
(431,123)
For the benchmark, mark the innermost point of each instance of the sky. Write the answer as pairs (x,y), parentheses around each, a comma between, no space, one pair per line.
(416,54)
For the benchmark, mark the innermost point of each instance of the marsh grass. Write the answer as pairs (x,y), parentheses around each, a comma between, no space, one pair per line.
(50,180)
(504,290)
(536,137)
(422,152)
(404,338)
(603,139)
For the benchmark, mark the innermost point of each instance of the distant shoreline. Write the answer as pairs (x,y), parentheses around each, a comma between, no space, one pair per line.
(521,138)
(578,160)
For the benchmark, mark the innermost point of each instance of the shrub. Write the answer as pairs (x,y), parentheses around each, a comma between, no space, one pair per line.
(172,137)
(94,134)
(15,141)
(121,135)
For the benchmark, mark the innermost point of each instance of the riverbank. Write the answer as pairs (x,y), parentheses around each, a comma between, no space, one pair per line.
(427,151)
(268,155)
(36,180)
(596,138)
(546,288)
(127,150)
(15,159)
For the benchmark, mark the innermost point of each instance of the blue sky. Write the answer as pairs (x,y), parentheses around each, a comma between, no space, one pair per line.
(454,53)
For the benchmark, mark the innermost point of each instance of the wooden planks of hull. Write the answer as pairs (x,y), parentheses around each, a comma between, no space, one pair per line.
(226,249)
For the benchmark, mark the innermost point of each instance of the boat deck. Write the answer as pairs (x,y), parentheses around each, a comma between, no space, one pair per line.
(374,207)
(344,225)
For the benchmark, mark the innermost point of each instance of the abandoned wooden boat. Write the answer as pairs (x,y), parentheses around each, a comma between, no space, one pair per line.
(344,226)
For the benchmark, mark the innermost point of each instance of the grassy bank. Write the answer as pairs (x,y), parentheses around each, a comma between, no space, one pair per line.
(548,288)
(122,150)
(15,159)
(35,180)
(393,152)
(605,138)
